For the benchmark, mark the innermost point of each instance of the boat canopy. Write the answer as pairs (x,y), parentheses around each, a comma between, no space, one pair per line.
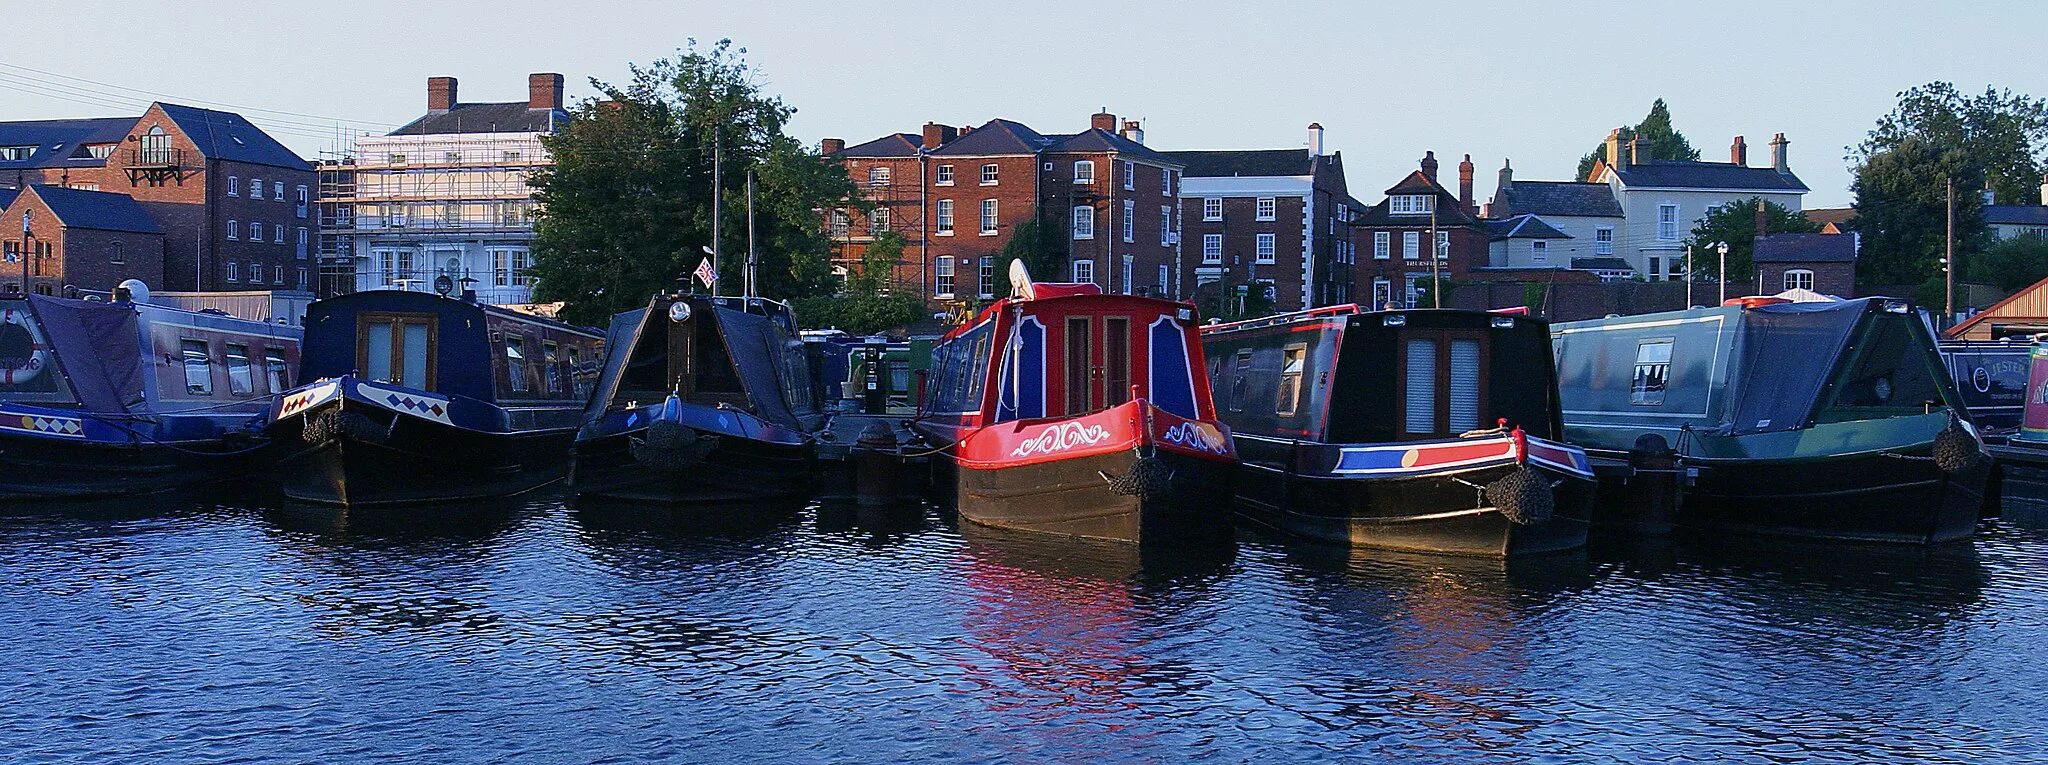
(748,356)
(61,350)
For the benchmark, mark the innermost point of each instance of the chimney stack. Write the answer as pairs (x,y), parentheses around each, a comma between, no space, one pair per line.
(1133,133)
(1639,151)
(543,91)
(1778,144)
(1429,165)
(1103,121)
(1614,155)
(1507,175)
(937,135)
(1990,196)
(1315,139)
(1738,153)
(1465,184)
(440,94)
(831,146)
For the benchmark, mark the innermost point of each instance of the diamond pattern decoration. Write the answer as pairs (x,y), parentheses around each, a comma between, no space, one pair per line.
(57,426)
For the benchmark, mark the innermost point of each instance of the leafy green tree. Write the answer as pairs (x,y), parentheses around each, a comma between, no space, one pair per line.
(2011,264)
(1735,223)
(1665,140)
(626,207)
(1902,171)
(1036,241)
(866,305)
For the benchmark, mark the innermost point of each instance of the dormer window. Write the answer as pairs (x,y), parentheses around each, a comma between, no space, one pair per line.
(1411,204)
(16,153)
(100,150)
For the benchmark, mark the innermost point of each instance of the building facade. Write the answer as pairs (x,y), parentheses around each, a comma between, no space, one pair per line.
(1394,263)
(232,205)
(1661,200)
(956,196)
(1823,263)
(75,239)
(1278,216)
(1552,224)
(444,196)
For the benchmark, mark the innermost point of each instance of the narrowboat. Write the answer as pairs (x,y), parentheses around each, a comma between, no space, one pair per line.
(702,400)
(107,398)
(416,397)
(1419,430)
(1834,420)
(867,391)
(2022,456)
(1064,410)
(1991,376)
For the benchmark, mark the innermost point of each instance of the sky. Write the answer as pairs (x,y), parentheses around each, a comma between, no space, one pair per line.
(1536,83)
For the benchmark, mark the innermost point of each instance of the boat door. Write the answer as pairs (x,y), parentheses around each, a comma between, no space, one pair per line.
(1443,376)
(1096,362)
(398,348)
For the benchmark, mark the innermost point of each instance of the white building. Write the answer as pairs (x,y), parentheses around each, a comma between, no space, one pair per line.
(444,196)
(1661,200)
(1552,224)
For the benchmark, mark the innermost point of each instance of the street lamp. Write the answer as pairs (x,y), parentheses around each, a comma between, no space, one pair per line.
(1722,247)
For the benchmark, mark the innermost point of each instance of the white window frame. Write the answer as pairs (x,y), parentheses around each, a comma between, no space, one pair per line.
(945,176)
(1130,175)
(1166,183)
(1265,248)
(1382,245)
(1539,251)
(1130,220)
(234,271)
(989,218)
(234,230)
(1212,248)
(990,174)
(1084,222)
(942,278)
(1084,172)
(1382,293)
(945,217)
(277,191)
(1084,271)
(878,177)
(1127,274)
(234,186)
(878,221)
(985,277)
(1603,240)
(1794,276)
(1411,204)
(1411,245)
(1268,208)
(255,188)
(255,231)
(1165,278)
(1212,208)
(1667,222)
(1443,245)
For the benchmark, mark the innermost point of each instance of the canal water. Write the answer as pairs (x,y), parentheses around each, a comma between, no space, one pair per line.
(226,629)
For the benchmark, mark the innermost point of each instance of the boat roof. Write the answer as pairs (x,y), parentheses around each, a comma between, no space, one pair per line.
(1057,294)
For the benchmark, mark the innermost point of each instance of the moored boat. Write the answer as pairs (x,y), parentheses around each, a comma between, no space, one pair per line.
(702,400)
(1991,377)
(422,398)
(1064,410)
(1421,430)
(126,397)
(1829,420)
(2022,455)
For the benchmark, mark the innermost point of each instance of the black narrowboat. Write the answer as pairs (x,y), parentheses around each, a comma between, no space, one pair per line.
(1421,430)
(1991,376)
(422,398)
(1064,410)
(1829,419)
(101,399)
(702,400)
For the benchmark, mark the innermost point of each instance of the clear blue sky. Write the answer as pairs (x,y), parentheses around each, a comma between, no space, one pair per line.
(1540,83)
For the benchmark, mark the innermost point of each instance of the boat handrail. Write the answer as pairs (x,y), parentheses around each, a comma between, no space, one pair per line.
(1345,309)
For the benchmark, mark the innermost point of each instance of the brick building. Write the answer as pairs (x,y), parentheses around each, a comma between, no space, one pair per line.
(232,204)
(1270,215)
(1823,263)
(956,195)
(75,238)
(1393,261)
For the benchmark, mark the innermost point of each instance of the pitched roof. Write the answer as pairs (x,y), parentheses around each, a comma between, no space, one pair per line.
(509,117)
(1601,264)
(226,135)
(61,143)
(1523,227)
(891,145)
(2017,215)
(1449,212)
(1673,174)
(2031,293)
(1254,162)
(1097,139)
(1565,198)
(105,211)
(1840,216)
(1805,248)
(7,196)
(996,138)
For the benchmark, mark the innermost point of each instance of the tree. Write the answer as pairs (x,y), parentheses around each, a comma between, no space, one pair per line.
(626,207)
(1902,171)
(866,305)
(1665,140)
(1735,223)
(1044,255)
(2011,264)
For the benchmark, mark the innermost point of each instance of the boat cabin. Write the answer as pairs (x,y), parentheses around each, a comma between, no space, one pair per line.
(451,347)
(733,352)
(1342,375)
(137,357)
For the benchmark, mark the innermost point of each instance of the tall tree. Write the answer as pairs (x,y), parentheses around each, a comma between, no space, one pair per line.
(1665,140)
(626,208)
(1036,241)
(1902,170)
(1735,223)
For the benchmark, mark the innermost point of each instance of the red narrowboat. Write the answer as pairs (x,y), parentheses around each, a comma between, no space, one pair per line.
(1064,410)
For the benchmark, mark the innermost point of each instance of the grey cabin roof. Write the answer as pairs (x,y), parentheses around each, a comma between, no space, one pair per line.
(1562,198)
(510,117)
(1671,174)
(998,137)
(1523,227)
(227,136)
(105,211)
(1805,248)
(1601,264)
(2016,215)
(892,145)
(1252,162)
(61,143)
(1097,139)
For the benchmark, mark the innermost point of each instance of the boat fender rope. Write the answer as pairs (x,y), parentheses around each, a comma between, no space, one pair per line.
(670,445)
(1955,450)
(1522,496)
(335,425)
(1149,479)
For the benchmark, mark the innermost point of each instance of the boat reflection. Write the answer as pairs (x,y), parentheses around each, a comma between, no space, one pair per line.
(877,526)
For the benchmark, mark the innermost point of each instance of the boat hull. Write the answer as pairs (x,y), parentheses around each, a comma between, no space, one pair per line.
(438,464)
(1873,497)
(1071,497)
(738,469)
(45,468)
(1435,513)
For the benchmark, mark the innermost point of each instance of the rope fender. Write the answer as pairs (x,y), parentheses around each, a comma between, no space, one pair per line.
(671,445)
(1522,496)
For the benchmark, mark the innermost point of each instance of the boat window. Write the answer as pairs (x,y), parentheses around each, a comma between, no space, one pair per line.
(1292,360)
(275,374)
(714,365)
(976,368)
(241,377)
(1079,349)
(551,357)
(1239,379)
(28,371)
(1889,373)
(1116,352)
(1464,385)
(1419,388)
(515,361)
(198,368)
(1653,372)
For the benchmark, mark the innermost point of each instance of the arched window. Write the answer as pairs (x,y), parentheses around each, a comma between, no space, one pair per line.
(1799,279)
(156,146)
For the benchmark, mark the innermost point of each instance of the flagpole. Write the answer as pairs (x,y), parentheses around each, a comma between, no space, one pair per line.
(717,191)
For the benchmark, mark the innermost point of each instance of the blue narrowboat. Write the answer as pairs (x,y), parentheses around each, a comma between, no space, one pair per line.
(110,398)
(1991,375)
(702,399)
(417,397)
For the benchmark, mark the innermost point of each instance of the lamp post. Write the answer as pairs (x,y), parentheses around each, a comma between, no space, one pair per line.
(1688,278)
(1722,247)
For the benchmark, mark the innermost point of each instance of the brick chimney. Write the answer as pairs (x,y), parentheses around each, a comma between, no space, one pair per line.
(1465,184)
(937,135)
(440,94)
(831,146)
(1103,120)
(1507,175)
(1738,153)
(1315,139)
(1778,144)
(1762,221)
(1639,151)
(544,91)
(1134,133)
(1615,158)
(1429,165)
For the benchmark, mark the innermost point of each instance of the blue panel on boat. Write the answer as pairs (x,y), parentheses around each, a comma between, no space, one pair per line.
(1171,378)
(1023,392)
